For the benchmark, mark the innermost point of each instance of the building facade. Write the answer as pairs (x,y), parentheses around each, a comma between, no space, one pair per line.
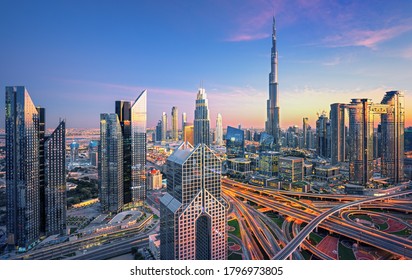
(35,172)
(219,130)
(139,148)
(273,119)
(235,142)
(110,164)
(193,217)
(175,124)
(338,133)
(202,120)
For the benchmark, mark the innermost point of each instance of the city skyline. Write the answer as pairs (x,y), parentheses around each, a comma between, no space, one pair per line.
(329,51)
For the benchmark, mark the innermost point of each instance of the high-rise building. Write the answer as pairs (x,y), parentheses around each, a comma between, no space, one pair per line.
(74,151)
(393,128)
(338,135)
(122,110)
(164,126)
(202,121)
(55,198)
(291,169)
(184,121)
(35,172)
(305,133)
(139,123)
(189,133)
(219,130)
(272,123)
(159,131)
(235,142)
(93,152)
(110,164)
(269,163)
(322,136)
(175,124)
(154,180)
(193,217)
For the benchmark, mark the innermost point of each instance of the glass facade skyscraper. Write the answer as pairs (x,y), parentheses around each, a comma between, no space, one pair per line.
(202,120)
(139,123)
(219,130)
(122,109)
(338,135)
(235,142)
(193,217)
(35,172)
(110,164)
(55,181)
(175,123)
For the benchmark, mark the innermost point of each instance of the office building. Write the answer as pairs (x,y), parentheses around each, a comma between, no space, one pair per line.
(269,163)
(164,126)
(193,219)
(139,123)
(322,141)
(305,126)
(219,130)
(154,179)
(235,143)
(110,164)
(93,152)
(35,172)
(159,131)
(175,124)
(393,129)
(55,199)
(122,110)
(189,133)
(74,151)
(291,169)
(202,120)
(338,133)
(273,120)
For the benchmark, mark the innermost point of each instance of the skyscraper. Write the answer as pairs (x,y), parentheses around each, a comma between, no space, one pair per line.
(35,172)
(159,131)
(110,164)
(22,168)
(175,124)
(189,133)
(122,110)
(139,123)
(219,130)
(202,121)
(393,128)
(235,142)
(164,126)
(55,181)
(305,132)
(184,121)
(272,123)
(192,213)
(338,135)
(322,146)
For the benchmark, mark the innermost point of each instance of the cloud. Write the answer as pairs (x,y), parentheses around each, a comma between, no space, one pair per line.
(366,38)
(247,37)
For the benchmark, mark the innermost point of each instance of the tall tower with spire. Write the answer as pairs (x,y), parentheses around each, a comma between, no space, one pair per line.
(272,122)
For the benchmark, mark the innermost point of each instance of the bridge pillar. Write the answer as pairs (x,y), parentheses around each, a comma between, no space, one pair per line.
(290,257)
(316,229)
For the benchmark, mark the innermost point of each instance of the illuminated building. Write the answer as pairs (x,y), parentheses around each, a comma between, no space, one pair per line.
(272,123)
(235,142)
(154,180)
(93,152)
(269,163)
(35,172)
(164,126)
(219,130)
(338,135)
(110,164)
(193,218)
(139,123)
(175,124)
(122,109)
(322,141)
(189,133)
(202,120)
(291,169)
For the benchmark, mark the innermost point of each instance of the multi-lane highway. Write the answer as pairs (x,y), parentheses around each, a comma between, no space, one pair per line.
(325,218)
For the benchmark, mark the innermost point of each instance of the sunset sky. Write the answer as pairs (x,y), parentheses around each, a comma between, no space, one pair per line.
(77,57)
